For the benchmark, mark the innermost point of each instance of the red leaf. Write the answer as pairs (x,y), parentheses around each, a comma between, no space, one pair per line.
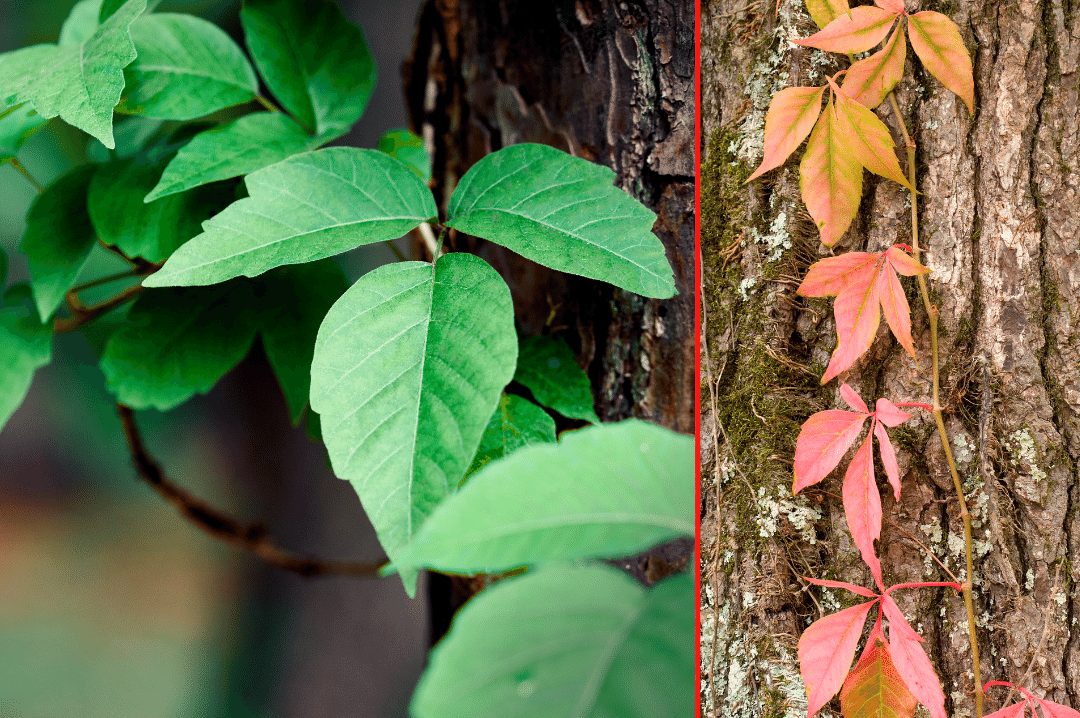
(862,506)
(871,79)
(826,651)
(888,458)
(826,583)
(894,6)
(897,621)
(830,178)
(823,440)
(852,399)
(1016,710)
(867,138)
(917,672)
(825,11)
(1056,710)
(889,413)
(857,31)
(874,688)
(936,40)
(791,116)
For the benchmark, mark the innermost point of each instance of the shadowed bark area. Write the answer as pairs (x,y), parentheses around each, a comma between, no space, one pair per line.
(611,82)
(999,216)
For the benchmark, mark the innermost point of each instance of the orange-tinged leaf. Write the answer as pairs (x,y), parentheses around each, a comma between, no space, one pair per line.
(790,118)
(874,688)
(893,6)
(917,672)
(936,40)
(904,263)
(825,11)
(830,179)
(827,277)
(862,506)
(1016,710)
(1056,710)
(856,31)
(826,652)
(823,440)
(870,80)
(867,137)
(894,305)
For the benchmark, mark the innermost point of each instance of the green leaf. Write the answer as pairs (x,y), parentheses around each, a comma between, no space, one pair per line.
(308,207)
(408,368)
(178,343)
(297,299)
(517,422)
(409,148)
(108,7)
(151,231)
(564,213)
(17,124)
(132,136)
(313,59)
(548,369)
(81,23)
(79,83)
(58,239)
(608,490)
(25,347)
(186,68)
(230,150)
(567,641)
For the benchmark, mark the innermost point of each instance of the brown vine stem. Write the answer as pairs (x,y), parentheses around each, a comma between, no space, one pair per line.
(18,167)
(250,537)
(958,487)
(84,315)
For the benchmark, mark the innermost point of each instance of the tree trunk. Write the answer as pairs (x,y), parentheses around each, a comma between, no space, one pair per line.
(608,81)
(999,215)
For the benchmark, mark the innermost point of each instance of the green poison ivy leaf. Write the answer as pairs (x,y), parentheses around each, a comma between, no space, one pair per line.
(58,239)
(548,369)
(296,302)
(178,343)
(25,347)
(564,213)
(231,150)
(186,68)
(407,147)
(608,490)
(583,641)
(408,368)
(517,422)
(79,83)
(309,207)
(17,124)
(313,59)
(151,231)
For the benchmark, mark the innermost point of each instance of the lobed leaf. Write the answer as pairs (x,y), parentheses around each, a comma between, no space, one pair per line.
(25,347)
(307,207)
(823,441)
(856,31)
(79,83)
(870,80)
(408,148)
(822,12)
(936,40)
(874,688)
(830,178)
(186,68)
(826,652)
(867,138)
(409,365)
(516,423)
(564,213)
(862,506)
(58,239)
(313,59)
(791,116)
(547,367)
(608,490)
(604,652)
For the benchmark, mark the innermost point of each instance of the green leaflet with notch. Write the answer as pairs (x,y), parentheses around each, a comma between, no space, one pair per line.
(548,369)
(409,365)
(564,213)
(313,59)
(517,422)
(79,83)
(58,239)
(308,207)
(231,150)
(25,347)
(607,490)
(186,68)
(567,641)
(410,149)
(177,343)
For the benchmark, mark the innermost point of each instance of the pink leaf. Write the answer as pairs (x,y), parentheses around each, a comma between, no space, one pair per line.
(826,652)
(897,621)
(830,178)
(870,80)
(827,583)
(852,399)
(918,673)
(1056,710)
(1016,710)
(862,506)
(857,31)
(858,314)
(894,6)
(889,413)
(888,458)
(936,40)
(791,116)
(823,440)
(828,277)
(903,263)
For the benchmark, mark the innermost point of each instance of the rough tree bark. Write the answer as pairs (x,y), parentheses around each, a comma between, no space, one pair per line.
(608,81)
(999,214)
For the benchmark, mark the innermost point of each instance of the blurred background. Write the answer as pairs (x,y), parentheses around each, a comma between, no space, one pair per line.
(113,605)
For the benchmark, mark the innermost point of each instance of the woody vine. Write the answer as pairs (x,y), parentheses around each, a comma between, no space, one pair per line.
(894,673)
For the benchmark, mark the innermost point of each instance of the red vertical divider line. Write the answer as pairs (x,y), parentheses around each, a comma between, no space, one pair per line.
(697,353)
